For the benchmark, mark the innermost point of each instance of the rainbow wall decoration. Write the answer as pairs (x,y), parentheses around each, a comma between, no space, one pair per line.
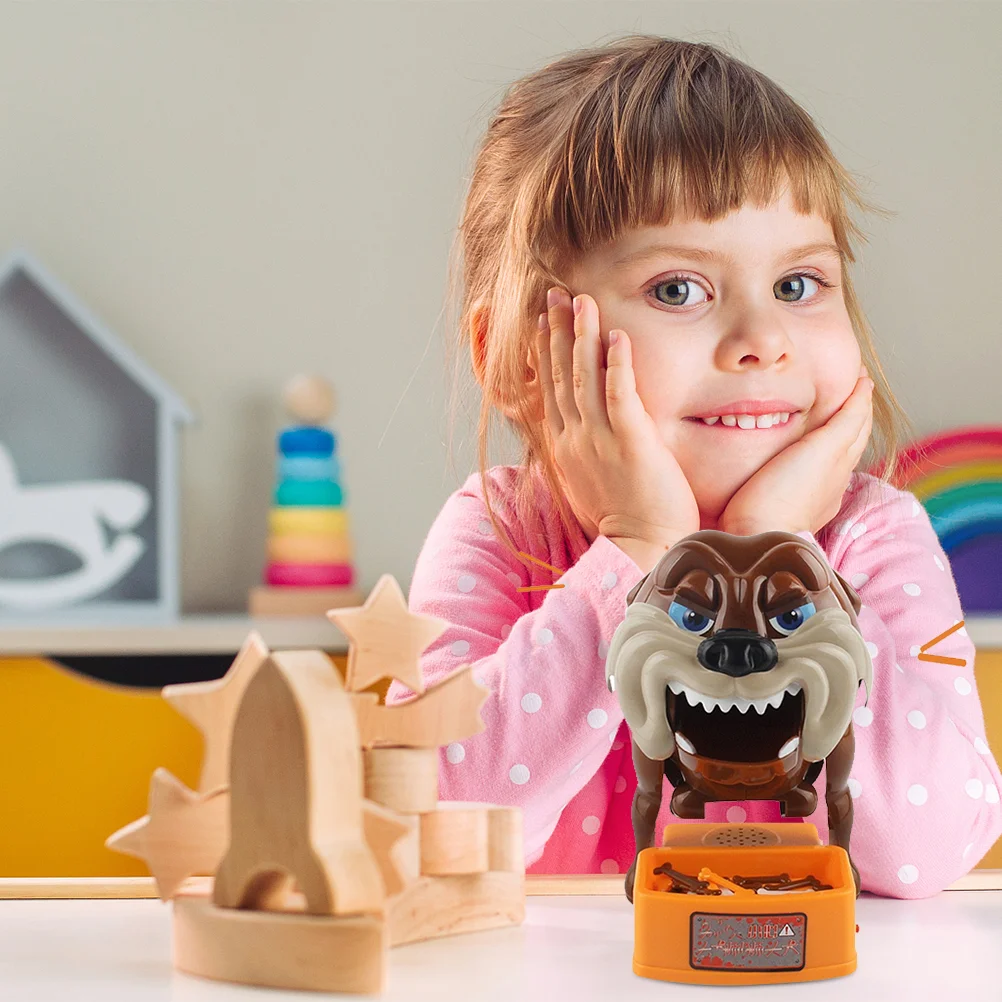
(957,477)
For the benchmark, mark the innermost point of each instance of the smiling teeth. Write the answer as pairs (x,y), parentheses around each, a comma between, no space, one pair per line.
(711,703)
(749,420)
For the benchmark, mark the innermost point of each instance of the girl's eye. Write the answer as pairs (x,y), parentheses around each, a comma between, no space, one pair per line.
(688,619)
(787,622)
(791,288)
(677,289)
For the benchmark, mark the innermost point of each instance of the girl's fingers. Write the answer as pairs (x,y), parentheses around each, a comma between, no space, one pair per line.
(588,368)
(550,408)
(622,404)
(561,355)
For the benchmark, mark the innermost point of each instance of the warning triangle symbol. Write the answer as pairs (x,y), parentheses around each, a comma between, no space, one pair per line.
(786,930)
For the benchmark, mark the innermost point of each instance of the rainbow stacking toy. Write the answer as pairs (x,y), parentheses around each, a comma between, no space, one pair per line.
(309,567)
(957,477)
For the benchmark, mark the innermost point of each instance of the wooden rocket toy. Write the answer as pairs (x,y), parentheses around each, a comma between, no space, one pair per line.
(317,814)
(310,563)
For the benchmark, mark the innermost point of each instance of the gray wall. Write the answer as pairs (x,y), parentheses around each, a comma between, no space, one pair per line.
(244,191)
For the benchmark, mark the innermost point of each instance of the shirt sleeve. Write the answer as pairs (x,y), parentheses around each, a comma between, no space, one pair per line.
(549,718)
(924,784)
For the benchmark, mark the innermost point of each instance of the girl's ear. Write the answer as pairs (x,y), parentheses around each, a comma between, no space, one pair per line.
(478,351)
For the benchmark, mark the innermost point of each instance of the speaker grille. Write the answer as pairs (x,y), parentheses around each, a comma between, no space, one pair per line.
(740,835)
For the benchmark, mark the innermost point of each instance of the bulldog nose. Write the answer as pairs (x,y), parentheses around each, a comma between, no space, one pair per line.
(737,652)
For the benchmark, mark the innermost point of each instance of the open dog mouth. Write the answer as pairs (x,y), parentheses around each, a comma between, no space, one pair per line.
(720,729)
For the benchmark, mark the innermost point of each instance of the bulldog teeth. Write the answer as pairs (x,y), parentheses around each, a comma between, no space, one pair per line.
(727,703)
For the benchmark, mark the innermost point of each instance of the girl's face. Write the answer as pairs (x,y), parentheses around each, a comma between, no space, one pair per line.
(743,316)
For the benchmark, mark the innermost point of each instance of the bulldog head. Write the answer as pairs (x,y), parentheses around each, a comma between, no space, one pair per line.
(739,648)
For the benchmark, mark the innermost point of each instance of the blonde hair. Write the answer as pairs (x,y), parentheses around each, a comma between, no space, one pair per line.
(606,139)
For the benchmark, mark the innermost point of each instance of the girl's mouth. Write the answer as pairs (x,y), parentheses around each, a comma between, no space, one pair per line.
(747,422)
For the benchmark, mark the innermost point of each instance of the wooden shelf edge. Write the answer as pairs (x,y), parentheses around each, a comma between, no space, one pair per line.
(536,885)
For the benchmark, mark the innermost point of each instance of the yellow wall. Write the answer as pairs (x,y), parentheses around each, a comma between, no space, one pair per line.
(77,756)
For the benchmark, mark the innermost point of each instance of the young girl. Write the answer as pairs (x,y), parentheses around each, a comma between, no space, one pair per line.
(678,225)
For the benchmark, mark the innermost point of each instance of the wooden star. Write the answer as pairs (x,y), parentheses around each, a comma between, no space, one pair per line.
(184,834)
(386,639)
(212,708)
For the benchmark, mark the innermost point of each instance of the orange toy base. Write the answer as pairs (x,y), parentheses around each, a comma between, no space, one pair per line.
(265,601)
(755,939)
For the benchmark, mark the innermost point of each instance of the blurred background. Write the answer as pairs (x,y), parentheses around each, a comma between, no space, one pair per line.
(245,191)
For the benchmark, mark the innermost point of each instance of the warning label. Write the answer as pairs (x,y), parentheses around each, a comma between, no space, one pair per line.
(747,942)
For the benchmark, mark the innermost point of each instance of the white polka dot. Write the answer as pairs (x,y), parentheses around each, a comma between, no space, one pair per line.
(460,647)
(908,874)
(519,774)
(858,580)
(597,718)
(891,535)
(466,582)
(736,814)
(962,685)
(603,649)
(915,650)
(575,768)
(974,788)
(544,636)
(899,668)
(609,580)
(857,530)
(590,825)
(455,753)
(506,631)
(939,563)
(963,630)
(917,794)
(967,849)
(514,579)
(911,589)
(863,716)
(991,794)
(531,702)
(980,747)
(916,718)
(612,736)
(617,745)
(609,866)
(484,526)
(916,507)
(620,785)
(855,787)
(842,528)
(872,648)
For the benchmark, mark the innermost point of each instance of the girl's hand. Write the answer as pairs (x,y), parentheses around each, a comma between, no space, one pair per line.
(621,479)
(801,488)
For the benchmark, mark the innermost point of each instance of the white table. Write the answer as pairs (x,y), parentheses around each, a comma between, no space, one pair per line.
(570,949)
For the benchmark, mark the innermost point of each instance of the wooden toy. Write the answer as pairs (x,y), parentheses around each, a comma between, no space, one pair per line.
(957,477)
(89,508)
(310,567)
(737,668)
(321,848)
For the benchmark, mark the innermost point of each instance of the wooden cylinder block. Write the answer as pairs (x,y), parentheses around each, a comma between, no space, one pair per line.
(454,840)
(402,779)
(505,840)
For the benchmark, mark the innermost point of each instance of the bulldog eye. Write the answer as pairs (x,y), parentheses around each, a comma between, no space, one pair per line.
(787,622)
(688,619)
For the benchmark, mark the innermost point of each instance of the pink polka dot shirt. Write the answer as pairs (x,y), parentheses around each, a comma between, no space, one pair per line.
(924,783)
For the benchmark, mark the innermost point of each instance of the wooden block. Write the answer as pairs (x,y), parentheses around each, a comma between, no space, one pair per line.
(280,950)
(183,835)
(444,906)
(212,708)
(386,639)
(295,795)
(454,840)
(393,838)
(264,601)
(506,844)
(447,712)
(403,779)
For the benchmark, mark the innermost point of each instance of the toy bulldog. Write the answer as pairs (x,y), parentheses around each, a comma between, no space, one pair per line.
(737,667)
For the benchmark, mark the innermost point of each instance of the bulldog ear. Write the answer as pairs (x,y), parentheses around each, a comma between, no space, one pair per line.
(850,592)
(632,594)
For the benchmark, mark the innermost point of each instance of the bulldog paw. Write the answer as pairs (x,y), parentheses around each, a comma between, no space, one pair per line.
(687,803)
